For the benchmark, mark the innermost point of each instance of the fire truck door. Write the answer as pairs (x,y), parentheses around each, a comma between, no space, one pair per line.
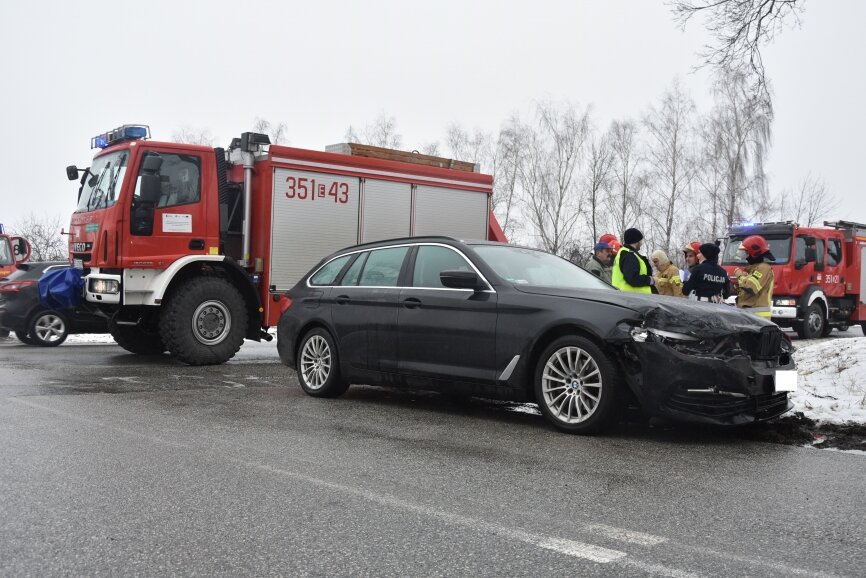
(834,280)
(175,225)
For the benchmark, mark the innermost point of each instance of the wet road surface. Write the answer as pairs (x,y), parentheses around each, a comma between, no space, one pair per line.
(119,464)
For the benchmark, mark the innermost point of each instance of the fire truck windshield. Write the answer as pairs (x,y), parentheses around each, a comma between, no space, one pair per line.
(780,247)
(103,183)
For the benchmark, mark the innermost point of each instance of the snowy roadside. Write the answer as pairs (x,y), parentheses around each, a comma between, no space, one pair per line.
(831,385)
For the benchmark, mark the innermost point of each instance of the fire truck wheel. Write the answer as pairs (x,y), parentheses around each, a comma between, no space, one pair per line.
(319,365)
(812,327)
(205,322)
(23,338)
(48,328)
(136,339)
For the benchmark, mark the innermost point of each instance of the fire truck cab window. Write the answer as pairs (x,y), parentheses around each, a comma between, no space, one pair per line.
(810,250)
(834,252)
(180,177)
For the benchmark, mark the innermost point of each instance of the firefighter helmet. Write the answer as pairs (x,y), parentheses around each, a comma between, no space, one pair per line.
(755,246)
(611,240)
(694,247)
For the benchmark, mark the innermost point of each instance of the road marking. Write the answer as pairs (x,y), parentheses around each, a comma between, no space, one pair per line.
(626,535)
(572,548)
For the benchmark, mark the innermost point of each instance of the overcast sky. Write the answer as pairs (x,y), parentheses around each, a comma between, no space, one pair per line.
(71,70)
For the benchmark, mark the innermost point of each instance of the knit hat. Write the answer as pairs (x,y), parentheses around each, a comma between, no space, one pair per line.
(661,257)
(631,236)
(710,251)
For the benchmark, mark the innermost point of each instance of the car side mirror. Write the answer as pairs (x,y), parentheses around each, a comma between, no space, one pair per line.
(462,280)
(72,173)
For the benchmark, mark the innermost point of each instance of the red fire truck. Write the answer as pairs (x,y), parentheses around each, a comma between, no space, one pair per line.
(819,273)
(188,248)
(13,250)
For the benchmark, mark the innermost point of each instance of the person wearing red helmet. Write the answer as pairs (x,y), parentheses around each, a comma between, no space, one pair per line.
(755,282)
(692,256)
(614,243)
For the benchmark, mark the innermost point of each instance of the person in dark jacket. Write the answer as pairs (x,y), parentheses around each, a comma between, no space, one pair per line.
(631,270)
(708,281)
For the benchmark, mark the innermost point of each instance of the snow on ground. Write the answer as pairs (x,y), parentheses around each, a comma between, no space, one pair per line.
(832,380)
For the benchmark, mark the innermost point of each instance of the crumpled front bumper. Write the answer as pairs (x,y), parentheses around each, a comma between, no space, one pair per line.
(721,389)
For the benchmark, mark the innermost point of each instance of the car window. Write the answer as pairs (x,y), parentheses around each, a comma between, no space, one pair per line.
(328,273)
(432,260)
(383,267)
(354,272)
(523,266)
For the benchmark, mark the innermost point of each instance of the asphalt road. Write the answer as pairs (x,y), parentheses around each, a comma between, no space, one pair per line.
(118,464)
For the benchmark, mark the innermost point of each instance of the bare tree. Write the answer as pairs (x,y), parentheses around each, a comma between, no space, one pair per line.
(43,234)
(670,153)
(596,182)
(739,133)
(508,158)
(739,29)
(430,148)
(623,198)
(381,133)
(809,203)
(475,148)
(277,133)
(548,176)
(189,135)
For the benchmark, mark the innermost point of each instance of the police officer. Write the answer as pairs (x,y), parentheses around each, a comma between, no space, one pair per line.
(631,270)
(708,281)
(755,282)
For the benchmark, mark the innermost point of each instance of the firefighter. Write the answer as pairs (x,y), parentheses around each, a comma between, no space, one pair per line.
(631,270)
(692,256)
(599,263)
(667,276)
(708,281)
(755,282)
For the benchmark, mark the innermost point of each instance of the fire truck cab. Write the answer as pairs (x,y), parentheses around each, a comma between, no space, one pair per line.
(818,273)
(13,251)
(188,249)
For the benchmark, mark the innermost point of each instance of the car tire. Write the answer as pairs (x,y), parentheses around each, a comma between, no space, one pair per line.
(4,333)
(136,339)
(577,386)
(319,365)
(24,338)
(48,328)
(205,322)
(812,326)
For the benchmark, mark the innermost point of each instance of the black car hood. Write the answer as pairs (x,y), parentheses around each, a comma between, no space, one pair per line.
(700,319)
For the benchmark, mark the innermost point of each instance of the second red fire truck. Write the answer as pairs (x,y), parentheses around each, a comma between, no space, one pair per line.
(819,273)
(188,248)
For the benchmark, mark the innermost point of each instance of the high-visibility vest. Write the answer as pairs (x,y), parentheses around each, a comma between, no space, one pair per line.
(619,281)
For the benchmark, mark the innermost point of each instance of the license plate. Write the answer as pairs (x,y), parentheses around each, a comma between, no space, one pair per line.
(78,263)
(786,380)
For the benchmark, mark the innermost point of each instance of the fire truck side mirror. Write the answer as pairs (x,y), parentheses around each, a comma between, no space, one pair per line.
(72,173)
(151,188)
(151,163)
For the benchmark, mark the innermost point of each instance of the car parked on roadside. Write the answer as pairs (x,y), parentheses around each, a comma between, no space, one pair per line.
(34,324)
(507,322)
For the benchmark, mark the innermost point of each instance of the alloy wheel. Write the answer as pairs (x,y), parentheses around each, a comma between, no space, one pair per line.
(316,362)
(49,328)
(571,385)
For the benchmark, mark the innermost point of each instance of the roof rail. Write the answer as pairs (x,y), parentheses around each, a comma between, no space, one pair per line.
(844,225)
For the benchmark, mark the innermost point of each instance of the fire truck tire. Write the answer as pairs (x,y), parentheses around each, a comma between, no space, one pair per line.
(4,333)
(828,329)
(205,323)
(812,326)
(136,339)
(863,327)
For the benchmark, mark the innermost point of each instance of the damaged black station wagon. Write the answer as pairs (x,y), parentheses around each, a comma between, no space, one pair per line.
(506,322)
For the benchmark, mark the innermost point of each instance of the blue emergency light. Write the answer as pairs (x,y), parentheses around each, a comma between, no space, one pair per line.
(120,134)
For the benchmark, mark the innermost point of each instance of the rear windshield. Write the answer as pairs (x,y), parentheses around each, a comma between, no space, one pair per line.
(780,247)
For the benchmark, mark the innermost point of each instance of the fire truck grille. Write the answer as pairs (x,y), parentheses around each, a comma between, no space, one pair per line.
(764,345)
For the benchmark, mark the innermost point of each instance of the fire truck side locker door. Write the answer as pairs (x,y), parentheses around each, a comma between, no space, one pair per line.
(387,210)
(453,212)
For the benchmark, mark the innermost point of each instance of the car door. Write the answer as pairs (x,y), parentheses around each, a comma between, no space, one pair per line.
(364,309)
(445,333)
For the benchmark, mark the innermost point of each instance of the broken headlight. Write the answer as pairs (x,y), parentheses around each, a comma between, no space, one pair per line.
(641,334)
